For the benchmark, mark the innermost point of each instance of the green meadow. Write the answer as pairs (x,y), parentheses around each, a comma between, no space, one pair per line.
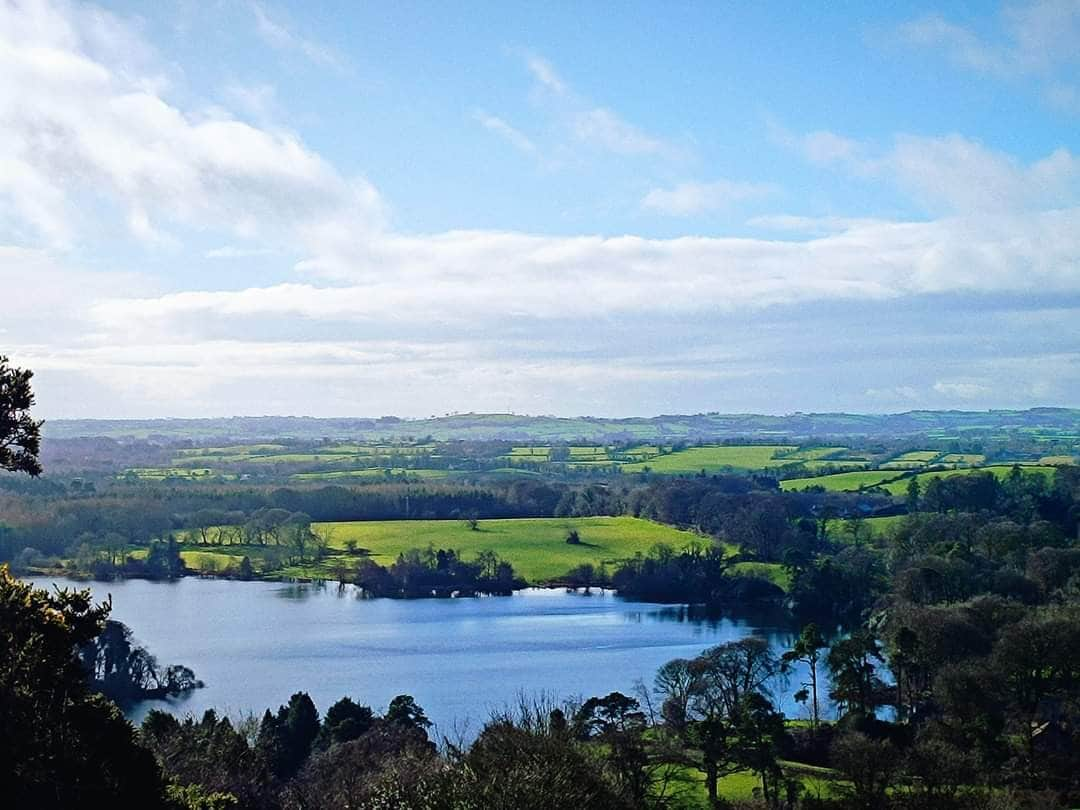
(912,460)
(1058,461)
(811,453)
(896,482)
(715,459)
(369,473)
(841,482)
(835,464)
(922,456)
(536,547)
(963,458)
(233,450)
(999,470)
(773,572)
(687,784)
(164,473)
(880,526)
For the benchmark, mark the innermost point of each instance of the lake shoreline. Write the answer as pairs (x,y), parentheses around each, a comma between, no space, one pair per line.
(569,587)
(254,644)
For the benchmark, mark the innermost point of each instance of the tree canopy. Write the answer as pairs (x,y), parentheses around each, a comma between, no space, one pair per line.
(20,434)
(63,745)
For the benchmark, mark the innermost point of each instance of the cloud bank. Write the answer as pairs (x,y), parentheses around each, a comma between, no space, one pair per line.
(374,319)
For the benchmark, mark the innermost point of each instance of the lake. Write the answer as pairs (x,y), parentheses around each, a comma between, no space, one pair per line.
(255,643)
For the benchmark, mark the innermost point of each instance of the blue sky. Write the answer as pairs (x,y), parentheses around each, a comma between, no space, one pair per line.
(363,209)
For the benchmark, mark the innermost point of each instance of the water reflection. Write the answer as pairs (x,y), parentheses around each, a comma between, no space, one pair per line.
(255,643)
(766,618)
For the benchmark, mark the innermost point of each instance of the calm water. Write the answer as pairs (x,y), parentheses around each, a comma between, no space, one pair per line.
(255,643)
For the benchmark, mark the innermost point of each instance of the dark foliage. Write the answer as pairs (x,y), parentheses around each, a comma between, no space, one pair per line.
(437,573)
(62,745)
(20,434)
(125,672)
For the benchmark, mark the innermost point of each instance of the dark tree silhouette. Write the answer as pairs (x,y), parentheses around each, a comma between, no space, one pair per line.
(20,434)
(62,745)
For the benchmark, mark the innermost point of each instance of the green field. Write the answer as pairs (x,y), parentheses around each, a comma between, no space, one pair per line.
(835,464)
(715,459)
(963,458)
(280,454)
(163,473)
(1057,461)
(530,453)
(923,456)
(773,572)
(811,453)
(914,460)
(369,473)
(841,482)
(894,482)
(688,784)
(999,470)
(233,450)
(880,526)
(536,547)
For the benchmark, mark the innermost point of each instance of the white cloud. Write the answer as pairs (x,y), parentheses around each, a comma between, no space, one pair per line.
(898,393)
(257,100)
(950,173)
(235,252)
(45,302)
(225,377)
(89,144)
(694,198)
(961,389)
(961,45)
(957,174)
(795,223)
(464,276)
(544,73)
(591,124)
(1063,96)
(72,128)
(821,147)
(278,35)
(604,128)
(1037,39)
(827,147)
(515,137)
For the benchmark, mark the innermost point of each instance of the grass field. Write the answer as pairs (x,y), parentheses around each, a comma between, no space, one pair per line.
(922,456)
(688,784)
(774,572)
(531,453)
(280,454)
(841,482)
(894,483)
(834,464)
(963,458)
(999,470)
(163,473)
(536,547)
(1057,460)
(715,459)
(233,450)
(813,453)
(879,526)
(912,460)
(368,473)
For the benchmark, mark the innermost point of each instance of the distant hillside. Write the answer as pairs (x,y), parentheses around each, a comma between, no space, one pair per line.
(1058,422)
